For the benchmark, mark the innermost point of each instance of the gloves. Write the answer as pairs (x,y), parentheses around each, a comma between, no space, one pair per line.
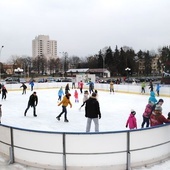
(126,126)
(99,116)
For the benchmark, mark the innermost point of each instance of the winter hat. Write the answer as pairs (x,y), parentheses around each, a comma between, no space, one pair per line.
(133,112)
(161,100)
(94,94)
(158,108)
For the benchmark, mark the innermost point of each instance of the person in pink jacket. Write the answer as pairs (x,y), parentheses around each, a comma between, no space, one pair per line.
(131,122)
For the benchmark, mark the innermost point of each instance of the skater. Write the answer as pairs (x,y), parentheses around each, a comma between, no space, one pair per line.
(146,114)
(4,92)
(158,89)
(157,118)
(143,85)
(86,96)
(92,112)
(160,102)
(152,97)
(76,96)
(73,83)
(111,87)
(64,102)
(91,86)
(0,112)
(67,89)
(131,122)
(33,101)
(60,93)
(32,85)
(81,86)
(24,88)
(151,86)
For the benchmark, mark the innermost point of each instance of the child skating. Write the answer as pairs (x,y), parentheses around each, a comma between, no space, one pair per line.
(131,122)
(76,96)
(85,97)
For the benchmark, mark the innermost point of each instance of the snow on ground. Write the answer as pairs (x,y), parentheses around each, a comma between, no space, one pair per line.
(115,109)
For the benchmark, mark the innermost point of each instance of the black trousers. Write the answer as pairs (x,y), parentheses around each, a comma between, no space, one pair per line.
(145,120)
(64,110)
(34,109)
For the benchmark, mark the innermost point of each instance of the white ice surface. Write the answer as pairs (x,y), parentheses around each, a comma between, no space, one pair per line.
(115,109)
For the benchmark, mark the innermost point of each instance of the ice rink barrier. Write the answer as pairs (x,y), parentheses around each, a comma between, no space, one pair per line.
(122,88)
(120,150)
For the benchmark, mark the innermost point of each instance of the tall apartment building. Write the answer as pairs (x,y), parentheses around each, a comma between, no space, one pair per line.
(43,46)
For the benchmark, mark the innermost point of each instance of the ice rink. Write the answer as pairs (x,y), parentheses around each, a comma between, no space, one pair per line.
(115,109)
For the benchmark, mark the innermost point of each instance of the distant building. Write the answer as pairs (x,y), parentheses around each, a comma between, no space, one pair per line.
(154,65)
(98,72)
(43,46)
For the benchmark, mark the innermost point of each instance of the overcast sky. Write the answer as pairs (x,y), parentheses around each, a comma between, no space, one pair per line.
(83,27)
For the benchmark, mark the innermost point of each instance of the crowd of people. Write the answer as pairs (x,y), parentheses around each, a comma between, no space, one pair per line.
(152,115)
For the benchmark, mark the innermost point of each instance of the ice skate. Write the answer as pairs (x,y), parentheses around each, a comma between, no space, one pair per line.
(66,120)
(58,118)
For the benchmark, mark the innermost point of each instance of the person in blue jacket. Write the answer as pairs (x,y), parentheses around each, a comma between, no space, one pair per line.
(32,85)
(152,97)
(91,86)
(158,89)
(60,93)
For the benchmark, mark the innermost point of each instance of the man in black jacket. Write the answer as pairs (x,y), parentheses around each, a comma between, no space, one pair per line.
(33,101)
(92,112)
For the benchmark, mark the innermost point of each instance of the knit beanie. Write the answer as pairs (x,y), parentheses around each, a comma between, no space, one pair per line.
(158,108)
(133,112)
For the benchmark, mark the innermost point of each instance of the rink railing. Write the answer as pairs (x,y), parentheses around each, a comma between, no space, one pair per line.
(125,88)
(118,150)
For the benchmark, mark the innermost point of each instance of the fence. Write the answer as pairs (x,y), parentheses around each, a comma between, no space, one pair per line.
(125,88)
(74,151)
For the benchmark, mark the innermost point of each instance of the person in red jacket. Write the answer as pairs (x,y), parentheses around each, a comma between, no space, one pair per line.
(81,86)
(146,114)
(132,120)
(157,118)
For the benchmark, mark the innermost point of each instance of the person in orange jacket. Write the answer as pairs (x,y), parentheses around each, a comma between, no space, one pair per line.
(64,102)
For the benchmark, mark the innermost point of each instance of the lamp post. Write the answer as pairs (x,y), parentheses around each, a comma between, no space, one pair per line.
(103,57)
(127,69)
(65,55)
(0,59)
